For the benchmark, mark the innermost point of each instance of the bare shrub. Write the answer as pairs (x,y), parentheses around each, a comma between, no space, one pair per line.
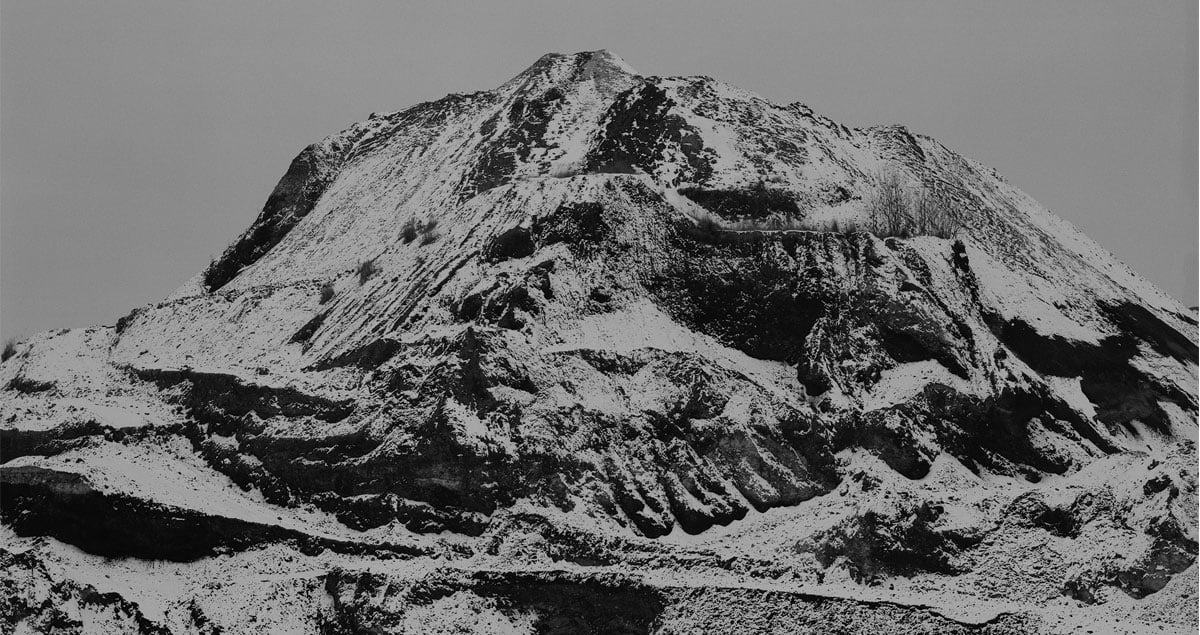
(366,269)
(897,209)
(887,206)
(427,230)
(931,215)
(408,232)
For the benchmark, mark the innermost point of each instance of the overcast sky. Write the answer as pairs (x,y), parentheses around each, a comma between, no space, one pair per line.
(138,139)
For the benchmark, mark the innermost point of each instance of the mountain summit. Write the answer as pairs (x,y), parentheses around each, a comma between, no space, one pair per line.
(602,351)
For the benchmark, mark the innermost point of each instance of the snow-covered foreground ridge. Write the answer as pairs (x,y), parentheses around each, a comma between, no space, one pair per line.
(475,366)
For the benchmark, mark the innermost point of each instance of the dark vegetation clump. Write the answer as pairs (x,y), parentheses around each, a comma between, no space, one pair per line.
(10,349)
(757,208)
(619,165)
(894,208)
(326,292)
(708,225)
(707,229)
(757,202)
(366,269)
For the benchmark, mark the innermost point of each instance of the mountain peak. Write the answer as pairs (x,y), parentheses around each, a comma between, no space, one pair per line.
(605,56)
(601,66)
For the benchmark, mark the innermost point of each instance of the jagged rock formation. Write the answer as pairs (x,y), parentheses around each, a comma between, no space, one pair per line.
(550,402)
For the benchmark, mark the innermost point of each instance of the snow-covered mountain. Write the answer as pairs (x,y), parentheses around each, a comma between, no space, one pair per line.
(492,363)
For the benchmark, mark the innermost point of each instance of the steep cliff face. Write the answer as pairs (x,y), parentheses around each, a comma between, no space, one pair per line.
(482,362)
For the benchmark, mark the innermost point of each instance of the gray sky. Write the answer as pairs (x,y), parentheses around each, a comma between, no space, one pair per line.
(137,139)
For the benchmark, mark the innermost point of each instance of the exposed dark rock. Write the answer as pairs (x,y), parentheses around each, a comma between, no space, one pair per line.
(1138,321)
(17,442)
(21,383)
(35,600)
(222,400)
(294,197)
(581,226)
(65,506)
(514,243)
(567,604)
(873,546)
(523,130)
(639,128)
(368,356)
(989,433)
(310,327)
(560,602)
(1120,392)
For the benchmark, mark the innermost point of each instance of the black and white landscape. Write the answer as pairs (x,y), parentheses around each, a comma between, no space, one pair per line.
(602,352)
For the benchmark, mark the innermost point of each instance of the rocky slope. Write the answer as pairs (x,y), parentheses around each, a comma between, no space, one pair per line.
(477,366)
